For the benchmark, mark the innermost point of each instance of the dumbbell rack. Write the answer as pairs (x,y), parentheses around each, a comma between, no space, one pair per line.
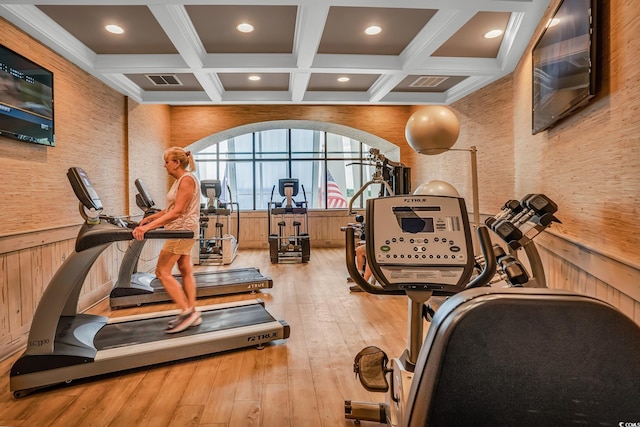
(517,224)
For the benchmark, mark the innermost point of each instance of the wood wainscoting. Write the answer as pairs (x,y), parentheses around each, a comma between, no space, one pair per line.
(583,270)
(324,228)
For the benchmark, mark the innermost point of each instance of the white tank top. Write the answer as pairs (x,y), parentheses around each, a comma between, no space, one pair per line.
(190,218)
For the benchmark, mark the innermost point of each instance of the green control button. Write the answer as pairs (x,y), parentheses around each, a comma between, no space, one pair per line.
(385,248)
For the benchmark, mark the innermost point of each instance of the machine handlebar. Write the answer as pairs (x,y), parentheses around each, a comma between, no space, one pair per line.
(355,274)
(490,264)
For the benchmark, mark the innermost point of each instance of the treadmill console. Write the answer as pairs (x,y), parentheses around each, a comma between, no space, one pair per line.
(83,189)
(419,242)
(143,198)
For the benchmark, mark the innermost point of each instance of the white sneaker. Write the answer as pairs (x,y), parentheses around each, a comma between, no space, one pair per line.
(183,321)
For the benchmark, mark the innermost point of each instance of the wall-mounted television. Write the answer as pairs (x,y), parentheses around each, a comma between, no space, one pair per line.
(26,99)
(564,63)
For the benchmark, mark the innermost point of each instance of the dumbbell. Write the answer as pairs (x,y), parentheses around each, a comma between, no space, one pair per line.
(510,209)
(507,231)
(512,270)
(535,205)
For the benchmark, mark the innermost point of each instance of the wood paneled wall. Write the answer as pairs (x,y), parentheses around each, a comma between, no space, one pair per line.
(190,124)
(591,161)
(589,164)
(115,140)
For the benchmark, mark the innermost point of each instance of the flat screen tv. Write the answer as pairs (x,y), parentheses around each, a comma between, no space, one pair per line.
(564,63)
(26,99)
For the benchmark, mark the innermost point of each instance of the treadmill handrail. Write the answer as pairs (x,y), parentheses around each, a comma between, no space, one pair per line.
(95,235)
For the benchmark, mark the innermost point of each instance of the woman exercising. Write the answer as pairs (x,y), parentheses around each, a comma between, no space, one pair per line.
(182,212)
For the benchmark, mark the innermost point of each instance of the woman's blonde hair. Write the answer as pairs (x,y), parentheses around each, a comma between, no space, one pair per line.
(184,157)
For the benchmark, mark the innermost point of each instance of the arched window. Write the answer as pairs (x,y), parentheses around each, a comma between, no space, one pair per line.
(330,167)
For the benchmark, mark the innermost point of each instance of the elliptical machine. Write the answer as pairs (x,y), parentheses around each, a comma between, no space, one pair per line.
(491,356)
(219,247)
(291,244)
(427,251)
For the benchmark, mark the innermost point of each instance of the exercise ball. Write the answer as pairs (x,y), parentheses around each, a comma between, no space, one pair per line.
(432,129)
(436,188)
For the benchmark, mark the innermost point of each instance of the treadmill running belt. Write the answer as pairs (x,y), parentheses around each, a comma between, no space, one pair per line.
(150,330)
(208,278)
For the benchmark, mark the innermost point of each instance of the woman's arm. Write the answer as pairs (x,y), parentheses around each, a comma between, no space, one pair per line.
(147,219)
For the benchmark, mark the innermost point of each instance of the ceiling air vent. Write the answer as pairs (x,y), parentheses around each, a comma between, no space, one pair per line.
(164,79)
(428,81)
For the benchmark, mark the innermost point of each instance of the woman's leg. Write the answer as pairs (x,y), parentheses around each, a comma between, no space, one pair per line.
(360,257)
(166,261)
(188,280)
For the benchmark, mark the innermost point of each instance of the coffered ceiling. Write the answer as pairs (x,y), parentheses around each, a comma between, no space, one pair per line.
(191,52)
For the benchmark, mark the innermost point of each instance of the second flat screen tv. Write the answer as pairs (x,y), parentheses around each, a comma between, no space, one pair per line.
(564,63)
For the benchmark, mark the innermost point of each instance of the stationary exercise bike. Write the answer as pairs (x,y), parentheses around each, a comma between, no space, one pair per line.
(492,355)
(417,246)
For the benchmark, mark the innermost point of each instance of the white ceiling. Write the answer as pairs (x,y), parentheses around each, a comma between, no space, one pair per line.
(299,48)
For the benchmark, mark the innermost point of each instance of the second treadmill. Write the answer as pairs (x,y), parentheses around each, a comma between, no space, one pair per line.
(135,288)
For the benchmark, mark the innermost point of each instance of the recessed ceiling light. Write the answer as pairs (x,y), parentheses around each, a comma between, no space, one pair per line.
(115,29)
(493,34)
(373,30)
(254,78)
(245,27)
(343,79)
(553,22)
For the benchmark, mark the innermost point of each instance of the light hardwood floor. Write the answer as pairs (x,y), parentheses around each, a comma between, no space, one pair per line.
(300,381)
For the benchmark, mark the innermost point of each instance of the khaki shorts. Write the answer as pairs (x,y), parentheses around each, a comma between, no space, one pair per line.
(178,246)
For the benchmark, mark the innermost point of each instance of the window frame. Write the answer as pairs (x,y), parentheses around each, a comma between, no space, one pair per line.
(324,158)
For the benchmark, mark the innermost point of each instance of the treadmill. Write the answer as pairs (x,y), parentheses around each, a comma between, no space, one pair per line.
(135,288)
(64,345)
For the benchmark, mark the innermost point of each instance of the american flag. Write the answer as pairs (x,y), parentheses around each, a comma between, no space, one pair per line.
(335,199)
